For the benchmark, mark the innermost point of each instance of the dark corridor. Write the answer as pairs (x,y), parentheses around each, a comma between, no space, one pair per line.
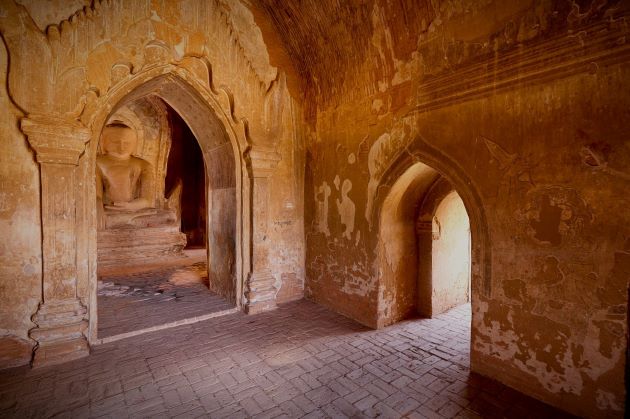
(186,165)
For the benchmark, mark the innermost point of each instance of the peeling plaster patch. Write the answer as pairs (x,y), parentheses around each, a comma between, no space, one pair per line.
(377,105)
(601,359)
(610,332)
(497,338)
(346,208)
(250,39)
(405,70)
(394,250)
(607,400)
(337,181)
(376,151)
(356,285)
(546,227)
(352,158)
(386,301)
(321,198)
(180,49)
(4,201)
(556,215)
(155,17)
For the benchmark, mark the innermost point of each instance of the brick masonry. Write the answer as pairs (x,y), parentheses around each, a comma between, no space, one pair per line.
(132,301)
(298,361)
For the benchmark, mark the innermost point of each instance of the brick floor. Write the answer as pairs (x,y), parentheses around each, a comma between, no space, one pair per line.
(139,299)
(298,361)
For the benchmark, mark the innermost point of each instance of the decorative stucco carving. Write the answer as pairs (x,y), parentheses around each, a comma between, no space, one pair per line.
(82,58)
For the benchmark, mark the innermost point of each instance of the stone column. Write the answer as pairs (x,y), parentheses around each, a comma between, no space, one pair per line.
(260,290)
(60,318)
(424,234)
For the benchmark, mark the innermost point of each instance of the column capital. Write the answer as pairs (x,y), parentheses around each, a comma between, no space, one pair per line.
(263,160)
(55,140)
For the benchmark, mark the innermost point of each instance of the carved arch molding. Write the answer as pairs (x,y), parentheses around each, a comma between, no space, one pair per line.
(69,80)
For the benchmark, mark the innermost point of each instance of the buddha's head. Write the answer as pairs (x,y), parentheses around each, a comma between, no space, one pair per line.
(118,140)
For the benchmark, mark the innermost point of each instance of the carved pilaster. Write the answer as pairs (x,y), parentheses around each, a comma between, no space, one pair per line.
(60,317)
(260,290)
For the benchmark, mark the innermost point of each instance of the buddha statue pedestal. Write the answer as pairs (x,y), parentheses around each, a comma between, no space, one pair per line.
(123,246)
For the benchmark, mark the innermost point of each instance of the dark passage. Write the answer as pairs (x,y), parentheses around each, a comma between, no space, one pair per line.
(185,165)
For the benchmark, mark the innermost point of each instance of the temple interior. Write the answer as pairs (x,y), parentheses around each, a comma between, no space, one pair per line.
(314,208)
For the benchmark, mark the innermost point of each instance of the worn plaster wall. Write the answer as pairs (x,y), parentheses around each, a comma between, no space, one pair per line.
(20,257)
(286,231)
(528,102)
(554,324)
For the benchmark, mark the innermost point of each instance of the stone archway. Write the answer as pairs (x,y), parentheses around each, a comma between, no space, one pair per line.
(224,174)
(81,76)
(407,179)
(227,189)
(65,323)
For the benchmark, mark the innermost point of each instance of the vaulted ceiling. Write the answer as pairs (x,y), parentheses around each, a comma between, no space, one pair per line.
(330,41)
(354,47)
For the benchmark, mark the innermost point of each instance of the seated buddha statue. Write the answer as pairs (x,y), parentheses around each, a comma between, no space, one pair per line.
(125,184)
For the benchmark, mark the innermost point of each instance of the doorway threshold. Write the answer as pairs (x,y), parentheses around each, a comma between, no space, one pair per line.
(168,325)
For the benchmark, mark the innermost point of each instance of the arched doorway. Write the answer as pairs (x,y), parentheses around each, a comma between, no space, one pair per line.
(410,191)
(221,150)
(424,246)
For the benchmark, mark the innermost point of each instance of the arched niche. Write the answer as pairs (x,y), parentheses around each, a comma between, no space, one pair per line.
(222,141)
(401,189)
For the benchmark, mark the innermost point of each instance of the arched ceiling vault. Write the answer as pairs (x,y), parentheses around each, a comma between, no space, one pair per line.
(330,41)
(345,50)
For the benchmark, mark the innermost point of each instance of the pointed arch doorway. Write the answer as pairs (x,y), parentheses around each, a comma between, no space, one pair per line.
(422,194)
(220,148)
